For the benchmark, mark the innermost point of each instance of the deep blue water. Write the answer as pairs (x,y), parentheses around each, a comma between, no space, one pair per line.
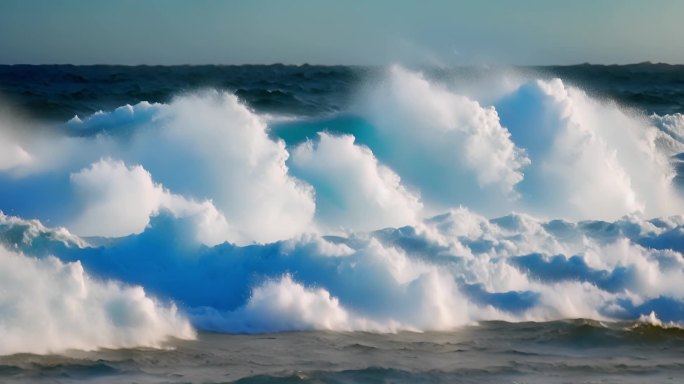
(61,91)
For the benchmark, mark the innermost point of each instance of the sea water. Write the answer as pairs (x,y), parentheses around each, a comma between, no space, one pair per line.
(341,224)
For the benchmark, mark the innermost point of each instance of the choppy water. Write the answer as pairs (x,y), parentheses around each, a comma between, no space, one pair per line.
(575,351)
(61,91)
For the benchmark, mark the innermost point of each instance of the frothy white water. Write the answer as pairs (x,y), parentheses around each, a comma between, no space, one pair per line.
(589,159)
(47,306)
(448,146)
(354,191)
(543,148)
(18,232)
(553,150)
(671,124)
(127,197)
(460,268)
(455,269)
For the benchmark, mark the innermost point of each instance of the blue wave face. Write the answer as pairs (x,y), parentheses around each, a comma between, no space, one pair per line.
(421,207)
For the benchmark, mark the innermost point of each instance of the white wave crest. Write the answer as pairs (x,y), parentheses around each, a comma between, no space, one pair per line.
(47,306)
(353,191)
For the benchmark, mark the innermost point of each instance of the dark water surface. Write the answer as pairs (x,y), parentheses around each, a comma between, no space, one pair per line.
(58,92)
(575,351)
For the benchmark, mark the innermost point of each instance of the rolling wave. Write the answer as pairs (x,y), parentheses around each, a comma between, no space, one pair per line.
(420,208)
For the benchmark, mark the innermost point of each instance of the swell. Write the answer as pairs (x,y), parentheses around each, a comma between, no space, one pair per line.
(58,92)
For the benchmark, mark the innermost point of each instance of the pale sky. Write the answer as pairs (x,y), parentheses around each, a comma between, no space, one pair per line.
(341,32)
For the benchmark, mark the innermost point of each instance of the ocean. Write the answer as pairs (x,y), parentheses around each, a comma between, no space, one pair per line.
(576,351)
(337,224)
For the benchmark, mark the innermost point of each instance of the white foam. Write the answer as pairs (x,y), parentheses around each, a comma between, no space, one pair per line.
(47,306)
(591,159)
(204,147)
(446,145)
(353,191)
(27,231)
(127,197)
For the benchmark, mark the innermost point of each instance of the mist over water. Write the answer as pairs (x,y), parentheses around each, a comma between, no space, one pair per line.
(417,202)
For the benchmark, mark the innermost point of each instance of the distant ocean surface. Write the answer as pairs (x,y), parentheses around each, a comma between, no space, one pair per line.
(59,92)
(315,224)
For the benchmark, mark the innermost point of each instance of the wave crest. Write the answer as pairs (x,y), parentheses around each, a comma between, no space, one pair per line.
(47,306)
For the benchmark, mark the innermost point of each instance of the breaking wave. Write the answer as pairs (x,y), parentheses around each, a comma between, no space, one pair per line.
(47,306)
(421,208)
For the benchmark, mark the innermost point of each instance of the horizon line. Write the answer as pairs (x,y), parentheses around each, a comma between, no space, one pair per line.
(646,62)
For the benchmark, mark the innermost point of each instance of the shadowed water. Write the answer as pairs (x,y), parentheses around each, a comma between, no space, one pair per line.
(59,92)
(577,351)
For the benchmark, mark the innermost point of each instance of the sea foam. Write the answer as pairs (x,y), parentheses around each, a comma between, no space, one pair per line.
(47,306)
